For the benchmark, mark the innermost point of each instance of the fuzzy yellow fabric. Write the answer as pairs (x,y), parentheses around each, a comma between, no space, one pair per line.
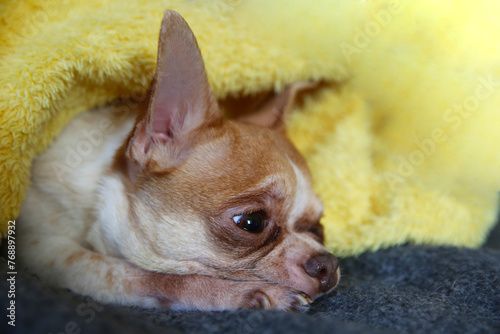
(403,145)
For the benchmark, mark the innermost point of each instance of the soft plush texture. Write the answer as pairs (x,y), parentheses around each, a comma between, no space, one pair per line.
(402,143)
(404,289)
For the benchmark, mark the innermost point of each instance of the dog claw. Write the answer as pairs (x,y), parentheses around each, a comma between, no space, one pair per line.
(266,303)
(295,301)
(260,300)
(304,298)
(300,304)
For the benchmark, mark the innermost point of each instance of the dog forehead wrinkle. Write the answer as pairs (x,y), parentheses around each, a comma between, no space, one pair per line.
(270,184)
(218,147)
(209,158)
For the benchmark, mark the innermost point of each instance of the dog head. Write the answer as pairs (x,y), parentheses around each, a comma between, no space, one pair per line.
(212,196)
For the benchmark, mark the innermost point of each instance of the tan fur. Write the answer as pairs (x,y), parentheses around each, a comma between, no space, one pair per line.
(145,215)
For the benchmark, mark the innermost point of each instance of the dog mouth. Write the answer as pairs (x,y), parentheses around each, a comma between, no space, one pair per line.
(318,276)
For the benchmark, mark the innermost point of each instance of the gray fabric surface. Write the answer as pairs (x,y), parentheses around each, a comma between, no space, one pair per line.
(405,289)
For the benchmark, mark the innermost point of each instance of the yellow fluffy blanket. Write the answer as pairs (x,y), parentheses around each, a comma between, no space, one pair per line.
(403,145)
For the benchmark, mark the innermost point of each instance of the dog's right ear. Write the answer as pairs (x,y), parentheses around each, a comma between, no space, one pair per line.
(272,113)
(181,100)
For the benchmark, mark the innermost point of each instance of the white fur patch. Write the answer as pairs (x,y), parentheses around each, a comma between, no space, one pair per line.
(304,198)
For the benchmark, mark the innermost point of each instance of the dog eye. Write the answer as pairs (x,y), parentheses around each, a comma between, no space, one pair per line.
(251,222)
(317,230)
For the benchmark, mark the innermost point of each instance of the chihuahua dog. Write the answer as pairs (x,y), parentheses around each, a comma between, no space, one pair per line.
(176,206)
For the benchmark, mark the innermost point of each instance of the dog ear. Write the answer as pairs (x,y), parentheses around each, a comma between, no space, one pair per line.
(181,100)
(272,113)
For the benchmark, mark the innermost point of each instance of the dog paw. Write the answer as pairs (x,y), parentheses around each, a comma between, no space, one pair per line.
(197,292)
(277,297)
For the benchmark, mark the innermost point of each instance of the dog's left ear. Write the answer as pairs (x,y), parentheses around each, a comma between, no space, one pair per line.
(181,101)
(272,113)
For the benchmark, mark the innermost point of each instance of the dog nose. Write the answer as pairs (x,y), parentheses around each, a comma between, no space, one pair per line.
(324,268)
